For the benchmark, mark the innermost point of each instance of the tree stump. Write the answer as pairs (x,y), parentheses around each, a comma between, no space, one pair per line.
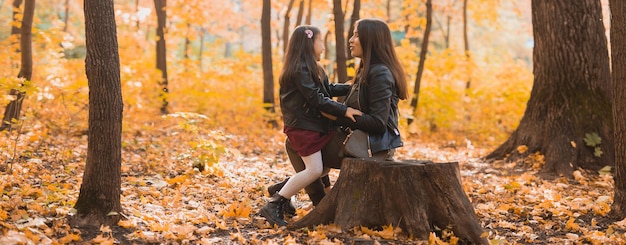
(413,195)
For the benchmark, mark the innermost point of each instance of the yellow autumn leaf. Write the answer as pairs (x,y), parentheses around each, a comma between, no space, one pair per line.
(522,149)
(290,240)
(102,240)
(579,177)
(177,180)
(159,227)
(317,235)
(434,240)
(237,210)
(70,238)
(237,236)
(3,215)
(512,185)
(220,224)
(126,223)
(388,232)
(601,208)
(571,225)
(32,236)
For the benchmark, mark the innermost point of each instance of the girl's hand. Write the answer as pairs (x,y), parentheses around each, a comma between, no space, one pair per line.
(351,112)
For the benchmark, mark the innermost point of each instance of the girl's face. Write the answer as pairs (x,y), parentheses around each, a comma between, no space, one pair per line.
(318,47)
(355,45)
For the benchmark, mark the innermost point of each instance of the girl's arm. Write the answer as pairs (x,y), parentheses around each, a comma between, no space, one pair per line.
(310,89)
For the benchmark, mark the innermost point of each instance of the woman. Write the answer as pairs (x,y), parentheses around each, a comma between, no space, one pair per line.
(378,86)
(304,95)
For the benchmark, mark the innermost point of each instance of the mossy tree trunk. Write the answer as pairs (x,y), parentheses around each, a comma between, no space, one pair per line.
(570,103)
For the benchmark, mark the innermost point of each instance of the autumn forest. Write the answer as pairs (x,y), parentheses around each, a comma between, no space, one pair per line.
(158,122)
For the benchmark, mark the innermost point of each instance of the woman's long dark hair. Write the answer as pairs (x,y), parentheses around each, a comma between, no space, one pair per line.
(378,47)
(301,50)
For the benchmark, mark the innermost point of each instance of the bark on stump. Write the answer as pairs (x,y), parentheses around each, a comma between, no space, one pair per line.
(413,195)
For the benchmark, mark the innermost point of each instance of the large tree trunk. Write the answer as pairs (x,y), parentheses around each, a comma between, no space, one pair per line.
(570,100)
(340,40)
(99,199)
(618,58)
(266,46)
(14,108)
(161,52)
(423,53)
(416,196)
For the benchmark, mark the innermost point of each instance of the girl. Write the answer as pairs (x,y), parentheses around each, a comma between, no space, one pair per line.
(305,94)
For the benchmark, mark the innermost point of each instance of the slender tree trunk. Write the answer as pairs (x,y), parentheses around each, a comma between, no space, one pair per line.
(423,53)
(99,199)
(161,52)
(286,24)
(266,46)
(14,108)
(356,9)
(66,17)
(201,49)
(570,102)
(187,43)
(618,58)
(136,11)
(300,13)
(309,14)
(445,31)
(340,40)
(327,54)
(15,30)
(388,8)
(466,47)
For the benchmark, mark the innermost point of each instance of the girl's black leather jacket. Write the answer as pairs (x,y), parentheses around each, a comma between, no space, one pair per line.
(302,100)
(378,101)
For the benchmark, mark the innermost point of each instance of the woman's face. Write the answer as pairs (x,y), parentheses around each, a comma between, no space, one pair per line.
(355,45)
(318,47)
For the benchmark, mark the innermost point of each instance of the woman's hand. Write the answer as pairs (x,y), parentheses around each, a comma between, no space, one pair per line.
(351,112)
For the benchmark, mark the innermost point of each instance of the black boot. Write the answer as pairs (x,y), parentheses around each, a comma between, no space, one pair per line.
(273,211)
(289,209)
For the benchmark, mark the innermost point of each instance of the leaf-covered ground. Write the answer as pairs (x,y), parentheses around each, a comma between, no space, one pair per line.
(167,200)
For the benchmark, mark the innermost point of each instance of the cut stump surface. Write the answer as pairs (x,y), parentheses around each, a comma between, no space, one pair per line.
(416,196)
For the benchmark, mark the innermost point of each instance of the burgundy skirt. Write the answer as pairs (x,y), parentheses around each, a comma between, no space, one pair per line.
(307,142)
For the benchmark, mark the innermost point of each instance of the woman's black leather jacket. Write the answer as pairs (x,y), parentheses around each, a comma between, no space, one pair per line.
(302,99)
(378,100)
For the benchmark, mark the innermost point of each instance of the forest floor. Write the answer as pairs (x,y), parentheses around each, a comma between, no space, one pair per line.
(167,201)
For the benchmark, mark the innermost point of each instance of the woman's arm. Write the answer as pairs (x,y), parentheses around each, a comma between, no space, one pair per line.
(378,93)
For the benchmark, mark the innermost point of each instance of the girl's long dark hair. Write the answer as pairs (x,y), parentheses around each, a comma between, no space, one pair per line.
(378,47)
(301,50)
